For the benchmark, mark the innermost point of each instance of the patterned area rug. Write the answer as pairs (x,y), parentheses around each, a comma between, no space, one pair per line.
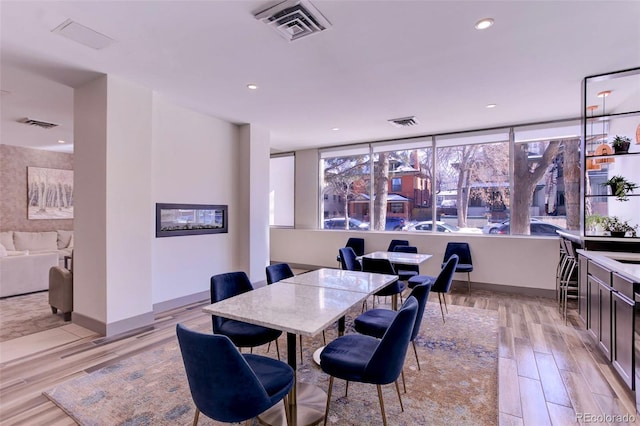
(457,384)
(28,314)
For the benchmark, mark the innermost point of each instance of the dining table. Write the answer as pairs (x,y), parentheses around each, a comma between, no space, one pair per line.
(302,305)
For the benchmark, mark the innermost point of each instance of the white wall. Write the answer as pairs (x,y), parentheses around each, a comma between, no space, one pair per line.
(195,160)
(307,178)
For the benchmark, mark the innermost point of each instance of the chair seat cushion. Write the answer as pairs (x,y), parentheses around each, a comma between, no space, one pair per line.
(462,267)
(404,275)
(374,322)
(243,334)
(276,376)
(347,357)
(393,288)
(421,279)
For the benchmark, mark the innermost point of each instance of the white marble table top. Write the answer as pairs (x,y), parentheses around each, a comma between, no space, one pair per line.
(399,257)
(362,282)
(293,308)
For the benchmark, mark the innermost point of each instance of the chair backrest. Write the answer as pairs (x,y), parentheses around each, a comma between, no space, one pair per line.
(357,244)
(461,249)
(405,249)
(443,281)
(380,266)
(227,285)
(348,259)
(387,360)
(278,272)
(421,293)
(223,385)
(394,243)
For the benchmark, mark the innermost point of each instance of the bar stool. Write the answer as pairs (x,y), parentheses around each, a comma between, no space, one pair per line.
(569,280)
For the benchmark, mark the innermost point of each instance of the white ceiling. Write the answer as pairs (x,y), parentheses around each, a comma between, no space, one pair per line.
(379,60)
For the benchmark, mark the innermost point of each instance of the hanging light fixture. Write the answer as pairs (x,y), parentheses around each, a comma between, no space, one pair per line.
(604,148)
(591,164)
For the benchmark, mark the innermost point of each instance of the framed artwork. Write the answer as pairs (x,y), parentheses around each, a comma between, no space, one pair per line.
(49,193)
(190,219)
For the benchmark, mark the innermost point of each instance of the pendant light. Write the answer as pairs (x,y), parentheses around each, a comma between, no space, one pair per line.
(604,148)
(591,164)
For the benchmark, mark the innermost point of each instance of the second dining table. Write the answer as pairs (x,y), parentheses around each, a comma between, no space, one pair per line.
(302,305)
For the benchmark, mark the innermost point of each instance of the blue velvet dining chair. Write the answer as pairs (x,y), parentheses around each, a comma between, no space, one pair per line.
(440,284)
(357,244)
(242,334)
(394,243)
(226,385)
(279,272)
(365,359)
(383,266)
(465,263)
(406,271)
(376,322)
(348,259)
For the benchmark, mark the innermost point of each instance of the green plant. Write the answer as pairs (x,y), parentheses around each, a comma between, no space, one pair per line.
(594,220)
(620,141)
(615,224)
(620,187)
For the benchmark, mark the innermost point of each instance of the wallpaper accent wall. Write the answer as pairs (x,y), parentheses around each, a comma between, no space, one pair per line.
(14,161)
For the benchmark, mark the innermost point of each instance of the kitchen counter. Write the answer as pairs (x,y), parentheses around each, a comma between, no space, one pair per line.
(616,262)
(602,243)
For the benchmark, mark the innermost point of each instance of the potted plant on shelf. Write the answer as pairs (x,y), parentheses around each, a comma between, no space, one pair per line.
(618,227)
(621,144)
(595,223)
(620,187)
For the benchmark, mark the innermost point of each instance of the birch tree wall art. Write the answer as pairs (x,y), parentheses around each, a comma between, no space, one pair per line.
(49,193)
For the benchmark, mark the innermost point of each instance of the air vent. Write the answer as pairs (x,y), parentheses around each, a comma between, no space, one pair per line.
(294,19)
(37,123)
(404,122)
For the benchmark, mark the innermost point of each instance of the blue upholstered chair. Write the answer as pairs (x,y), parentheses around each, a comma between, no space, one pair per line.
(279,272)
(365,359)
(465,264)
(394,243)
(440,284)
(242,334)
(406,271)
(383,266)
(357,244)
(376,322)
(226,385)
(348,259)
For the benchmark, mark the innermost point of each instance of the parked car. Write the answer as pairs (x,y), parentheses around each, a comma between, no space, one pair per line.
(441,227)
(492,227)
(338,223)
(537,227)
(394,223)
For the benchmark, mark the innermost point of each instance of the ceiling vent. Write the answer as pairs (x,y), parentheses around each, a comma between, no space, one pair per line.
(294,19)
(37,123)
(404,122)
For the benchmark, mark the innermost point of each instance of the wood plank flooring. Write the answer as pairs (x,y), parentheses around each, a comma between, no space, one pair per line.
(548,371)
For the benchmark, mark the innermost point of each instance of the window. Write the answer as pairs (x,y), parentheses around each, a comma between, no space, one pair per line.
(396,207)
(396,184)
(281,190)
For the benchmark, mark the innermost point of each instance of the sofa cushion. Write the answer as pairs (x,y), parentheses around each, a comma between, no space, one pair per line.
(6,239)
(64,239)
(17,252)
(36,241)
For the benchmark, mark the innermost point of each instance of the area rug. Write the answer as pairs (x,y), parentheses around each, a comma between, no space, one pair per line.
(457,384)
(28,314)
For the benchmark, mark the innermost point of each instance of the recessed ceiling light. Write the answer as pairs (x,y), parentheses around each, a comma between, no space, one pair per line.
(491,106)
(252,86)
(604,93)
(483,24)
(61,141)
(335,128)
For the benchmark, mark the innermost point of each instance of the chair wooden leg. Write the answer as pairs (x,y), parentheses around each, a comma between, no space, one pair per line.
(415,351)
(384,417)
(469,281)
(301,361)
(268,347)
(441,310)
(54,310)
(404,384)
(278,349)
(286,409)
(346,389)
(195,418)
(324,338)
(444,297)
(326,411)
(399,396)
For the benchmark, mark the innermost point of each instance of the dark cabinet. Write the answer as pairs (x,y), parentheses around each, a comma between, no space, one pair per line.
(605,319)
(583,290)
(593,316)
(622,343)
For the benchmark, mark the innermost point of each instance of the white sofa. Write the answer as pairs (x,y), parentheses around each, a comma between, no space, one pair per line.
(26,257)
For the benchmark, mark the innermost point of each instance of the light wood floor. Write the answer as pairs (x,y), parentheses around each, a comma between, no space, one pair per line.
(548,372)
